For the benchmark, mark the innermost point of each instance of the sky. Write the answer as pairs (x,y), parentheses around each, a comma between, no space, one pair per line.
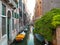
(30,7)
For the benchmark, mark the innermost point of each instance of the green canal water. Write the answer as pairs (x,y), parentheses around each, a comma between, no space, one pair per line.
(28,40)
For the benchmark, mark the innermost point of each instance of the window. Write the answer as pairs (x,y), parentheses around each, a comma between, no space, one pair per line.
(3,9)
(20,13)
(17,16)
(15,25)
(17,5)
(12,24)
(40,2)
(3,26)
(13,14)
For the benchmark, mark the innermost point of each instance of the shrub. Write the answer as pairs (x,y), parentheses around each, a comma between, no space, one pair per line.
(44,26)
(56,21)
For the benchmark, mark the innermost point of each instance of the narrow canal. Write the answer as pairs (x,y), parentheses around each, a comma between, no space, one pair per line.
(28,40)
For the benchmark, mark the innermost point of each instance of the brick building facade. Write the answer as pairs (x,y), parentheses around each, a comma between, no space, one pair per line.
(38,9)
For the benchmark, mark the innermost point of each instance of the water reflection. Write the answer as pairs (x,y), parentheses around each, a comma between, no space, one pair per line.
(30,40)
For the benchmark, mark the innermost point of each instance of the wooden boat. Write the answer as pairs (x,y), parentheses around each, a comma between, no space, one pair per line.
(20,36)
(39,37)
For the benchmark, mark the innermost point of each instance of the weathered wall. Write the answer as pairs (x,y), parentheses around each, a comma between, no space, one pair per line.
(49,4)
(38,9)
(58,35)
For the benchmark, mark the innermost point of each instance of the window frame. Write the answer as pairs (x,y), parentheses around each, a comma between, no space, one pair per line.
(4,16)
(3,9)
(5,27)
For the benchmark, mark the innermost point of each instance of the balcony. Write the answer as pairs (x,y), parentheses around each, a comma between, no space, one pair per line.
(12,3)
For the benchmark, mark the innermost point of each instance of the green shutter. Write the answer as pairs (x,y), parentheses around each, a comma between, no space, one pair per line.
(15,15)
(3,9)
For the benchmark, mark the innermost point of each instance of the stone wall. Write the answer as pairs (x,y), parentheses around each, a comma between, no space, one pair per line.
(49,4)
(58,35)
